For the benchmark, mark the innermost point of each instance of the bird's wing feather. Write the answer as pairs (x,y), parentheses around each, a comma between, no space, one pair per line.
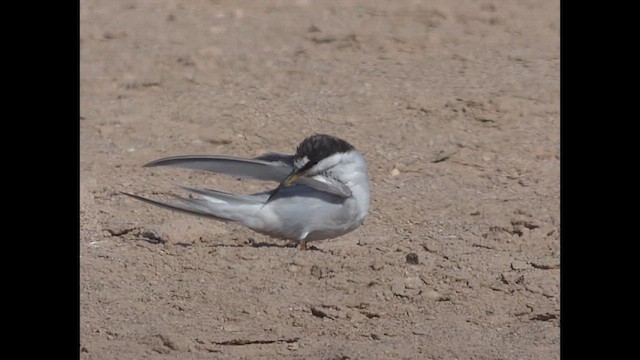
(216,195)
(326,184)
(189,206)
(270,167)
(276,157)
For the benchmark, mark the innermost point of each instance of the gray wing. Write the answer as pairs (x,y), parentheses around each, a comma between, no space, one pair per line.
(270,166)
(214,204)
(189,206)
(325,184)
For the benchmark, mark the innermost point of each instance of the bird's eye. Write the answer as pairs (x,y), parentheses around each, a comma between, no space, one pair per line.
(308,165)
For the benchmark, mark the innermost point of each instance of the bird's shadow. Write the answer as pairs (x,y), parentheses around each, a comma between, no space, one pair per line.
(250,244)
(253,245)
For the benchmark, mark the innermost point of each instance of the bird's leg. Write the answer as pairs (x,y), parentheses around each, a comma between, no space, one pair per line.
(303,245)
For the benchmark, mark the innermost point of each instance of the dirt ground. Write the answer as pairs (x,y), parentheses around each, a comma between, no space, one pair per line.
(456,107)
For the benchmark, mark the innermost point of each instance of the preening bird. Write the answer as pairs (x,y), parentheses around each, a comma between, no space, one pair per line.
(323,190)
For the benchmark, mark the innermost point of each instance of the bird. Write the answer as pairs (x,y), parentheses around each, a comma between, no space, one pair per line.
(323,190)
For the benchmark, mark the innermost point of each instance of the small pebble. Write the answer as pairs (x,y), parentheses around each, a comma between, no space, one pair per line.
(412,258)
(432,294)
(519,265)
(248,256)
(413,283)
(397,288)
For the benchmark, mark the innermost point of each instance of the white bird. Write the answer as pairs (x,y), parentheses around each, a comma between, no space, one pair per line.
(323,191)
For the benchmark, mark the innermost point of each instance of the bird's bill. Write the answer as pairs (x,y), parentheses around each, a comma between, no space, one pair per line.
(295,175)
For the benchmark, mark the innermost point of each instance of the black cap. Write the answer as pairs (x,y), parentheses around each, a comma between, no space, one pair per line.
(320,146)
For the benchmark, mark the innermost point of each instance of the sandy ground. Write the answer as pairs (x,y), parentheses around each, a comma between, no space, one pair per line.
(455,105)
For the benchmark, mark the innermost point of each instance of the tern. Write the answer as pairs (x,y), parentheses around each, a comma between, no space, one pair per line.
(323,190)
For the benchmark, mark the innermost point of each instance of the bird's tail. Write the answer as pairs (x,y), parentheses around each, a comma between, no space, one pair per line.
(213,204)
